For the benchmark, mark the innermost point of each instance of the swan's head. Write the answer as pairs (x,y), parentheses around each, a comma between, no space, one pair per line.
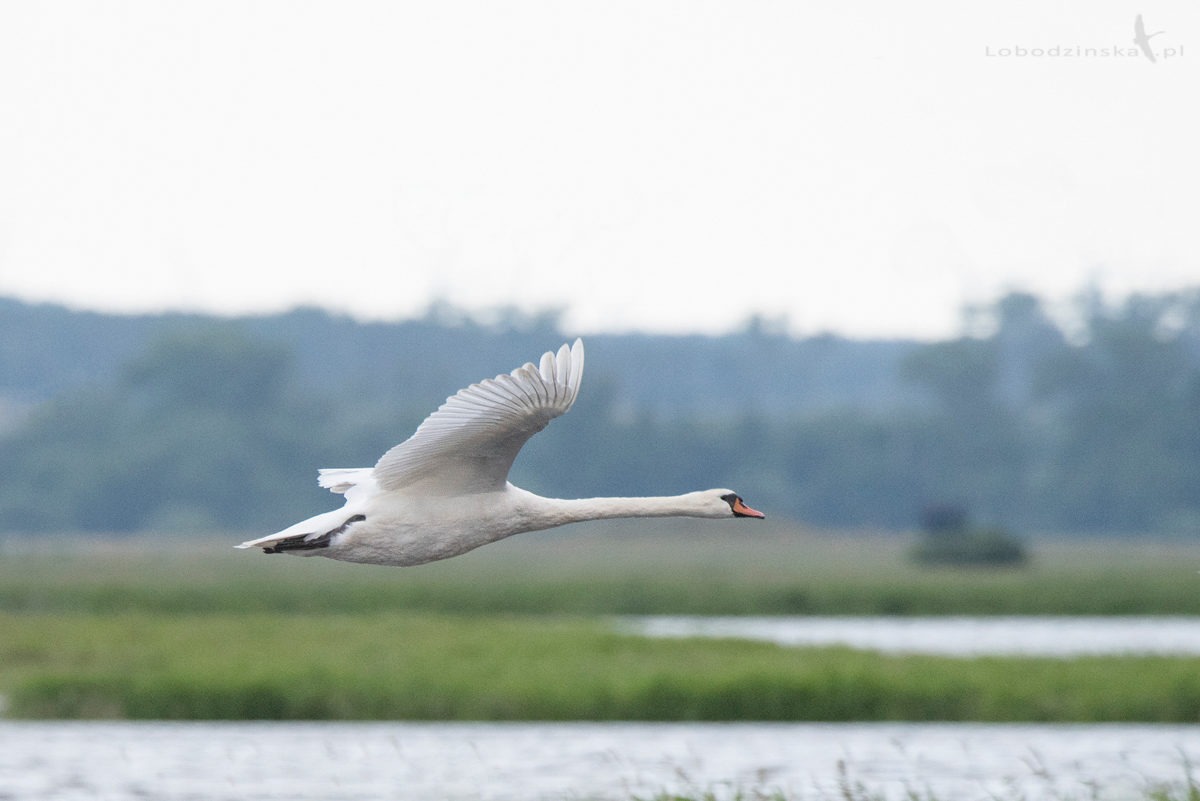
(727,503)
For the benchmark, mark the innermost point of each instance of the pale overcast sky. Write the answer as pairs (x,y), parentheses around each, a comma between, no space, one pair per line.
(671,166)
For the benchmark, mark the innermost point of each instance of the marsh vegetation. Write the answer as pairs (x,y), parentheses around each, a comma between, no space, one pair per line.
(161,628)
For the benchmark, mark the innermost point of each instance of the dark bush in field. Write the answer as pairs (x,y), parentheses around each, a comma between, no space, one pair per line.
(949,538)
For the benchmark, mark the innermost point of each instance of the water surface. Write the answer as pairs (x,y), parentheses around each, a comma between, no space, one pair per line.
(64,761)
(949,636)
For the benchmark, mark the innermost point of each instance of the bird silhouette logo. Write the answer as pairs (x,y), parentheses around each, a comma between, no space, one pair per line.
(1142,39)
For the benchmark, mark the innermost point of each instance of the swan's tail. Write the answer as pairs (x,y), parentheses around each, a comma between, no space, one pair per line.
(310,534)
(316,532)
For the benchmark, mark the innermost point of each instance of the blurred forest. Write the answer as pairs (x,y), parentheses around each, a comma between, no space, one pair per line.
(1087,422)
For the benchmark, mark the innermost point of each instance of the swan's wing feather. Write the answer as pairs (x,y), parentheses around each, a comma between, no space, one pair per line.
(342,479)
(470,442)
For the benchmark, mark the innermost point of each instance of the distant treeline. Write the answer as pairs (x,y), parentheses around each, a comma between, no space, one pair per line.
(1030,423)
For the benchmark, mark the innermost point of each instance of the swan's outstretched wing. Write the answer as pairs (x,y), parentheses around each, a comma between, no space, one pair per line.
(469,443)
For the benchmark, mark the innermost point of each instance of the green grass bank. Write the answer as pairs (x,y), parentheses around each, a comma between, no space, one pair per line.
(420,666)
(618,567)
(191,629)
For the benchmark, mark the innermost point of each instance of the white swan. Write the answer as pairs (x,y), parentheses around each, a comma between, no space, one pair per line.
(443,491)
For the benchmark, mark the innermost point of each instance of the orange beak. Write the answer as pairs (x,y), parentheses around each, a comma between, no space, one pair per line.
(743,510)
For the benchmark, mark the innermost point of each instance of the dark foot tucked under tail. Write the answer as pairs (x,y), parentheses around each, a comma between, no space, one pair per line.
(301,542)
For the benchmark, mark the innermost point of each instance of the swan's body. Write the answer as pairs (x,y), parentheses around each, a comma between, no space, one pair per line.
(444,491)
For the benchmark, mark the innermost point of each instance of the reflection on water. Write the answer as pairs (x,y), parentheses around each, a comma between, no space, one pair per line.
(531,762)
(952,636)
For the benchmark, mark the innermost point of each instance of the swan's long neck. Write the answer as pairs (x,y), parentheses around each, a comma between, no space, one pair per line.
(559,511)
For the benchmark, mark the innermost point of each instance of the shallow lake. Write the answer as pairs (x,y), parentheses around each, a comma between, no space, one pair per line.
(951,636)
(124,761)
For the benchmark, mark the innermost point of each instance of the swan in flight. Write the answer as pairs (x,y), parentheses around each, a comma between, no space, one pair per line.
(444,490)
